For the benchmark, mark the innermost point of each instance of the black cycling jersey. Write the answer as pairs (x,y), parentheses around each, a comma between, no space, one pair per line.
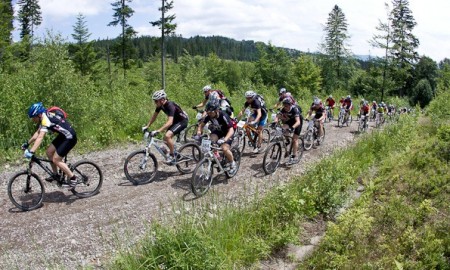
(319,109)
(254,105)
(50,122)
(288,117)
(170,108)
(220,125)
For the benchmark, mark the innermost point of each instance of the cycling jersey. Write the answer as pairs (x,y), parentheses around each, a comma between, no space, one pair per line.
(287,95)
(170,108)
(319,109)
(255,105)
(347,103)
(220,125)
(330,102)
(50,122)
(365,109)
(288,118)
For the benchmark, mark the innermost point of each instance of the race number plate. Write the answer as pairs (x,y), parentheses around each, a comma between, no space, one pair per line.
(206,145)
(241,124)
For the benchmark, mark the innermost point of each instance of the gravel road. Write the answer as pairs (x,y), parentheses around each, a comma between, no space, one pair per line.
(74,233)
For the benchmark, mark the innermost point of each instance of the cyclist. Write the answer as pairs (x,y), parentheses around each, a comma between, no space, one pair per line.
(222,130)
(259,116)
(347,105)
(282,94)
(364,109)
(177,121)
(60,146)
(319,116)
(292,119)
(374,109)
(330,103)
(211,94)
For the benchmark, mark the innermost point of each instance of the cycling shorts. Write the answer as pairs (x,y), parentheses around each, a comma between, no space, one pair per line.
(178,127)
(63,145)
(262,122)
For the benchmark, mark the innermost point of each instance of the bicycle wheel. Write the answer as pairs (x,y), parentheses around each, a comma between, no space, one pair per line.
(361,126)
(340,121)
(322,139)
(237,159)
(202,177)
(308,140)
(265,133)
(239,140)
(272,158)
(25,191)
(90,178)
(139,168)
(189,132)
(188,155)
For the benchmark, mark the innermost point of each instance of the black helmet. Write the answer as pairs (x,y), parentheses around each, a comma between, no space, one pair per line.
(287,100)
(212,105)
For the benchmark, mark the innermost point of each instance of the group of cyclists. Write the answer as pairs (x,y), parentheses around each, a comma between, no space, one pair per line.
(218,113)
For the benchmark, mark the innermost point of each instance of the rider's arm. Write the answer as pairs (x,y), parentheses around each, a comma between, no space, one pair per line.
(152,119)
(258,115)
(200,128)
(202,103)
(229,134)
(297,122)
(168,123)
(37,138)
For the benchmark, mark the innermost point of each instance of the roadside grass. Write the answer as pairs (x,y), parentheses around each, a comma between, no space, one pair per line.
(237,237)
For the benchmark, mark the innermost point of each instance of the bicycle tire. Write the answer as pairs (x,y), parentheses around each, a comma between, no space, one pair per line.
(308,140)
(202,177)
(265,139)
(189,132)
(242,142)
(90,178)
(237,159)
(272,157)
(136,171)
(190,154)
(21,195)
(323,136)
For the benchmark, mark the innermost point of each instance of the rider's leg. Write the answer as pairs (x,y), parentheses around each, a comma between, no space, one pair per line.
(168,138)
(294,145)
(227,152)
(51,150)
(63,147)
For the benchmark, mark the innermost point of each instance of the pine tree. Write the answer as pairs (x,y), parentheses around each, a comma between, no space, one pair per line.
(123,12)
(6,23)
(82,51)
(405,43)
(29,17)
(335,46)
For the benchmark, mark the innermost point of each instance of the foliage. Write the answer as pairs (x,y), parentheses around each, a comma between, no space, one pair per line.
(306,77)
(273,65)
(29,16)
(422,93)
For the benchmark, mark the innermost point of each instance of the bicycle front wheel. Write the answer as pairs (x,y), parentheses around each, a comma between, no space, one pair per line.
(26,191)
(89,177)
(272,158)
(202,177)
(188,155)
(140,168)
(308,140)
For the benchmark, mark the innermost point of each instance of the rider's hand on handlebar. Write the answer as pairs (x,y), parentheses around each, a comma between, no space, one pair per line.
(144,129)
(28,153)
(194,107)
(220,142)
(154,133)
(24,146)
(273,125)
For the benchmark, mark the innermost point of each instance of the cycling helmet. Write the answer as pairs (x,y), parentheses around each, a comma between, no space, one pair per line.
(287,101)
(330,96)
(207,88)
(250,94)
(316,101)
(212,105)
(365,102)
(348,96)
(374,101)
(36,109)
(160,94)
(282,91)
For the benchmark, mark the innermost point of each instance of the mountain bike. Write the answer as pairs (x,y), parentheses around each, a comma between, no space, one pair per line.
(213,158)
(190,131)
(379,120)
(344,118)
(141,166)
(311,135)
(248,134)
(281,140)
(362,126)
(329,114)
(26,189)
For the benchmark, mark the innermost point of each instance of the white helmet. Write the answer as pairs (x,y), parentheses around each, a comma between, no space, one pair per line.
(207,88)
(160,94)
(282,91)
(316,101)
(330,96)
(250,94)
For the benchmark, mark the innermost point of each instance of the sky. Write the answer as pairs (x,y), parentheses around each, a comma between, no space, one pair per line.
(295,24)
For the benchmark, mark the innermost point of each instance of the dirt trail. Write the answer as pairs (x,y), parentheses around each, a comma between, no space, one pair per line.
(75,232)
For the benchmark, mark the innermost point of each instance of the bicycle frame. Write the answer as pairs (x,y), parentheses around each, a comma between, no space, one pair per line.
(41,163)
(209,153)
(151,141)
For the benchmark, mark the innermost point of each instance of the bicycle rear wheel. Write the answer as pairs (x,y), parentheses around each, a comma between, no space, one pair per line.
(189,132)
(89,177)
(26,191)
(272,158)
(188,155)
(202,177)
(139,168)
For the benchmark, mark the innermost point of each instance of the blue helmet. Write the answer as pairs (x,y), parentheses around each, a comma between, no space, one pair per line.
(36,109)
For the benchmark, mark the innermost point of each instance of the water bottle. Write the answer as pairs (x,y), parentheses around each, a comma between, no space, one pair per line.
(217,155)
